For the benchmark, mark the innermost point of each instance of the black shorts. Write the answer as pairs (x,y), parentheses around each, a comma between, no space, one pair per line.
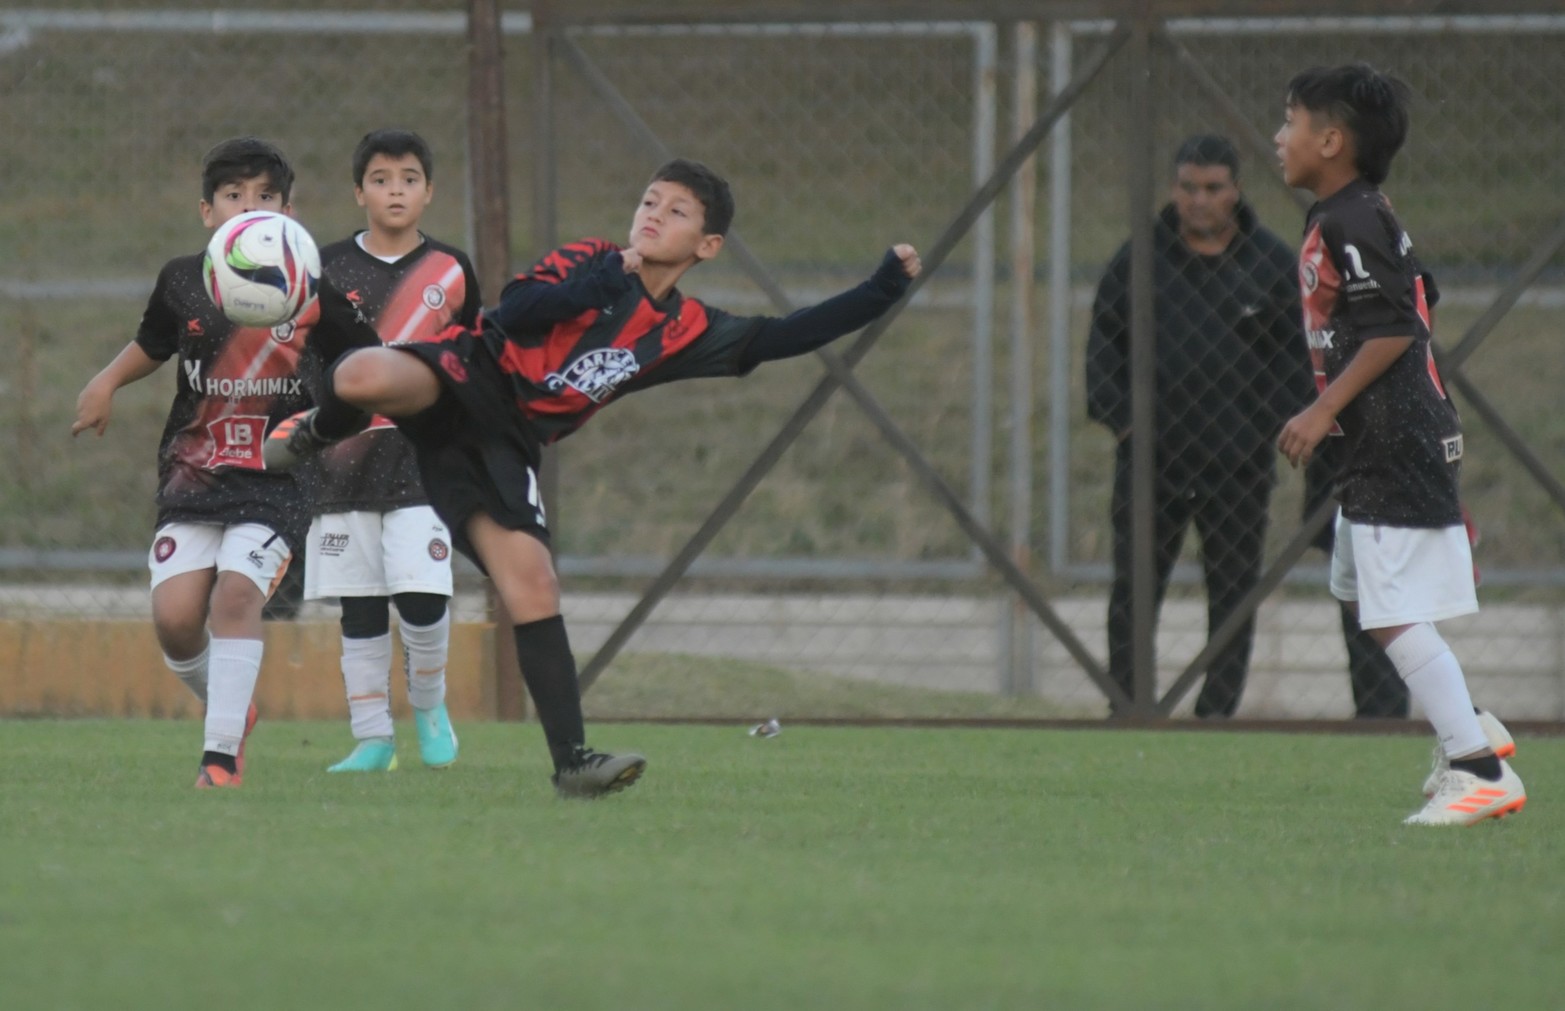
(476,451)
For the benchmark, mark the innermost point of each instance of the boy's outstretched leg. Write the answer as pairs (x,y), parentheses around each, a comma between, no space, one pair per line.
(523,573)
(359,385)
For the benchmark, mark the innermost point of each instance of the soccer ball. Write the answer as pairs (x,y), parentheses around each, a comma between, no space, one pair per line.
(261,268)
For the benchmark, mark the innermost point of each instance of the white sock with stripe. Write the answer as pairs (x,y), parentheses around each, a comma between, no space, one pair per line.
(366,674)
(232,672)
(427,649)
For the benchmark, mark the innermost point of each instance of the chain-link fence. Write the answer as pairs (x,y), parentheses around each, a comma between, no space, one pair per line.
(813,540)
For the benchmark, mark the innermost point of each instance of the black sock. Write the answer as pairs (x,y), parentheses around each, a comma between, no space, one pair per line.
(1484,766)
(219,759)
(337,419)
(549,670)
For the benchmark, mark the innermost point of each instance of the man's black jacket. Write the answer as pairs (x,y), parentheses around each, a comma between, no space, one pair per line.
(1232,365)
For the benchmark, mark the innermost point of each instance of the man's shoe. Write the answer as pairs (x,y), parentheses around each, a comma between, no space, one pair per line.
(594,774)
(378,754)
(216,777)
(292,440)
(1465,799)
(436,737)
(239,759)
(1500,740)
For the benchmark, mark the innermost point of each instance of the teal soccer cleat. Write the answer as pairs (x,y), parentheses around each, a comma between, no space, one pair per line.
(436,737)
(378,754)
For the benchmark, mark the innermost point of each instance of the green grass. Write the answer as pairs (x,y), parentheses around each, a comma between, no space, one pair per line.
(832,868)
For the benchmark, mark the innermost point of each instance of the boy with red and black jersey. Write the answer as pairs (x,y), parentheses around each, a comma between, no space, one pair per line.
(226,526)
(589,323)
(1401,553)
(374,538)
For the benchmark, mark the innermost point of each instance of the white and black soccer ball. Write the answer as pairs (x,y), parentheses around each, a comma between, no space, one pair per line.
(261,268)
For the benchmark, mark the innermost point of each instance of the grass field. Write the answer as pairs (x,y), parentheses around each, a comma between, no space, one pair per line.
(830,868)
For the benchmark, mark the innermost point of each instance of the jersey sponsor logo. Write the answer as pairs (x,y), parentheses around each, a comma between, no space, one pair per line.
(193,373)
(1453,448)
(163,548)
(596,374)
(434,296)
(333,545)
(439,550)
(1320,339)
(275,386)
(236,441)
(453,366)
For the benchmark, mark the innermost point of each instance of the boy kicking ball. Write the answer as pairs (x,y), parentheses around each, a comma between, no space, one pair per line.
(589,323)
(1401,554)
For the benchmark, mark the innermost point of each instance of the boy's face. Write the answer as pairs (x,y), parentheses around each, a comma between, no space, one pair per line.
(394,192)
(667,226)
(231,199)
(1306,145)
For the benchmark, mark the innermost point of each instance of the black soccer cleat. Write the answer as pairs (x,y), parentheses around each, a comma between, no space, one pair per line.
(292,440)
(593,774)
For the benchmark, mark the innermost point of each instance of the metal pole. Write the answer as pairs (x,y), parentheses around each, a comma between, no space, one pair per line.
(1061,47)
(1139,126)
(985,114)
(491,229)
(1024,187)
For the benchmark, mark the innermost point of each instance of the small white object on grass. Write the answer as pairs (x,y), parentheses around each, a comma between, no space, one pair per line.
(771,728)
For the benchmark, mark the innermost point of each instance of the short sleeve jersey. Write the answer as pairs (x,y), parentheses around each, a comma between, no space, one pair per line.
(412,299)
(1403,439)
(234,383)
(563,371)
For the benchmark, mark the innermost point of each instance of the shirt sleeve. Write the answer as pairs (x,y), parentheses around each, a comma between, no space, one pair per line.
(468,316)
(568,282)
(1369,250)
(1108,364)
(773,338)
(158,334)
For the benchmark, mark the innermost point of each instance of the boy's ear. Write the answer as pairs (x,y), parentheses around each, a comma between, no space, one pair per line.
(358,195)
(709,246)
(206,214)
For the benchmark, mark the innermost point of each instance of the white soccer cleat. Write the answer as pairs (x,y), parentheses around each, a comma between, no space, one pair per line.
(1500,740)
(1465,799)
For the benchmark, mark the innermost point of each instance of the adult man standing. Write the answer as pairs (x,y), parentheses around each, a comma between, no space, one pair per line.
(1230,370)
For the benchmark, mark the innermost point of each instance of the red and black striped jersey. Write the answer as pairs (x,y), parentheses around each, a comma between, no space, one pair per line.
(412,299)
(576,332)
(234,384)
(1361,280)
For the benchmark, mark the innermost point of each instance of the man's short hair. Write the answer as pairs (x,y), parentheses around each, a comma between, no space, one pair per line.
(717,200)
(242,158)
(392,144)
(1369,104)
(1208,149)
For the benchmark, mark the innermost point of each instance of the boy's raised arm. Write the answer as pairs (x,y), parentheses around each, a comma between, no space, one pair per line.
(818,325)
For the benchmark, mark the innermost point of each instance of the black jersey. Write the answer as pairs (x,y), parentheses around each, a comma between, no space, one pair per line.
(602,336)
(234,384)
(412,299)
(1403,438)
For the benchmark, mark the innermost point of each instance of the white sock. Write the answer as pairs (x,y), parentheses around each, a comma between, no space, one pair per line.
(426,650)
(366,674)
(192,671)
(1434,679)
(232,673)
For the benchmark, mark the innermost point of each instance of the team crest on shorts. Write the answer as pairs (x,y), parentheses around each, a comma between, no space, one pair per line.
(163,548)
(434,296)
(453,366)
(439,550)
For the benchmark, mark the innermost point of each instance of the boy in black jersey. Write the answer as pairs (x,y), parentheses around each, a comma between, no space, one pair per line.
(226,527)
(590,322)
(374,537)
(1401,552)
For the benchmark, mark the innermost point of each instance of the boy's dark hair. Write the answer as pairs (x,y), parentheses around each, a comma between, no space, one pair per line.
(393,144)
(709,187)
(1208,149)
(243,158)
(1369,104)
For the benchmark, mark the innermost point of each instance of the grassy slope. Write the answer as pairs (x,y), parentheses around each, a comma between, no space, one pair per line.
(828,868)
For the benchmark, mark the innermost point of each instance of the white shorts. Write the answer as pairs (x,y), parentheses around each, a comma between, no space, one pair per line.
(251,549)
(372,554)
(1402,575)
